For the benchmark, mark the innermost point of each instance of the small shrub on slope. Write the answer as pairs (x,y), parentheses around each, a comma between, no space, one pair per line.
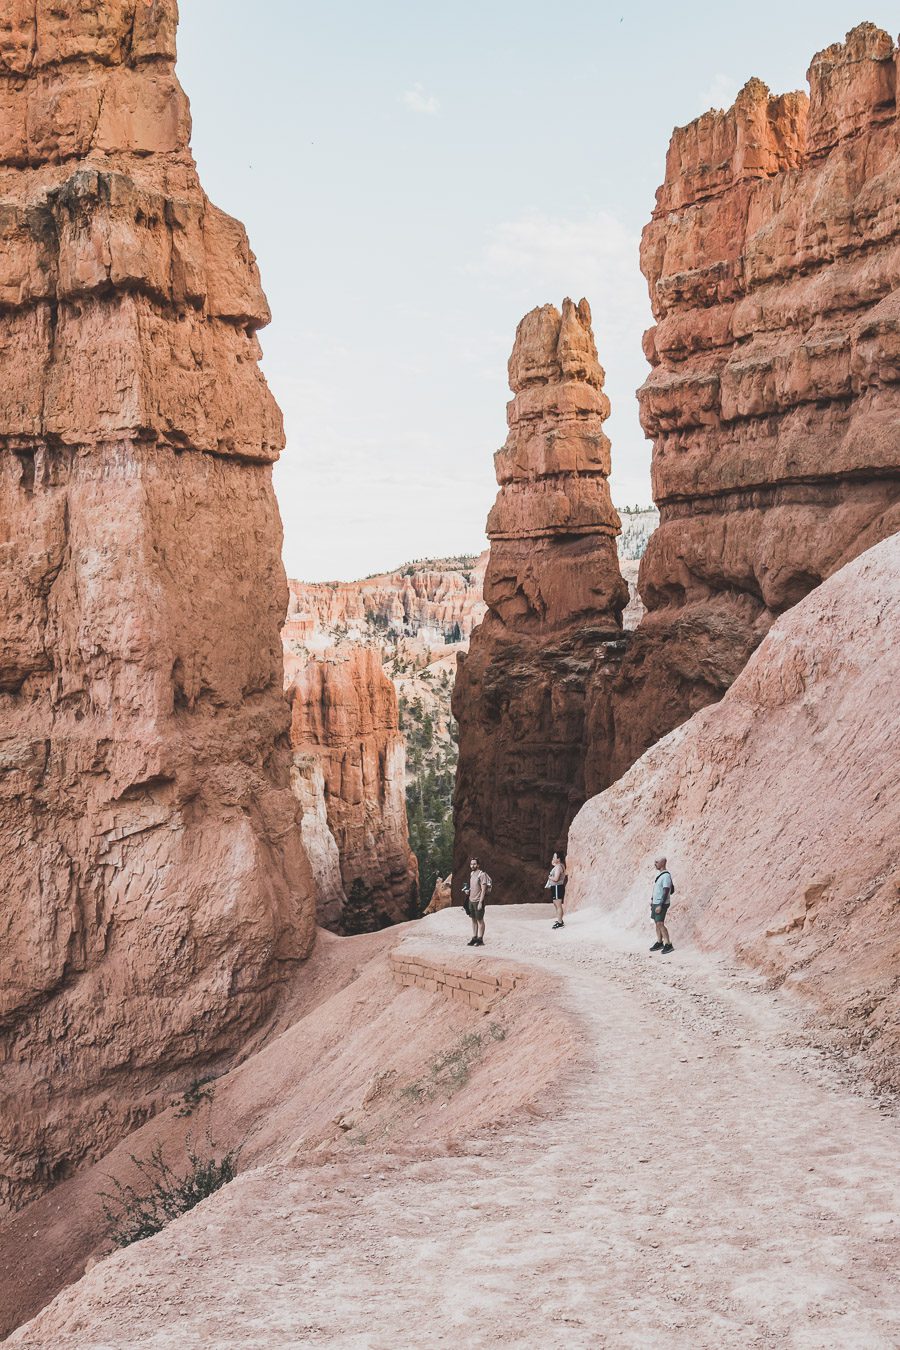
(136,1212)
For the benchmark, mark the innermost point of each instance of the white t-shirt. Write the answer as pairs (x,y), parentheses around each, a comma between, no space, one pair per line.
(662,888)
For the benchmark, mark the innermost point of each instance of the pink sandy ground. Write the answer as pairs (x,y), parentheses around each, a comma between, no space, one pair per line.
(686,1168)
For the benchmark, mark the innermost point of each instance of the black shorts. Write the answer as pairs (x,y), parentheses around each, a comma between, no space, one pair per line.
(658,913)
(558,893)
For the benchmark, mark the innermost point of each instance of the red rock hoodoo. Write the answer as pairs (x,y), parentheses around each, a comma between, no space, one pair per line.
(555,597)
(155,891)
(773,260)
(350,776)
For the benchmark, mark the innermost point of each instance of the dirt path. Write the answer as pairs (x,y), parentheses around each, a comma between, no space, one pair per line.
(708,1180)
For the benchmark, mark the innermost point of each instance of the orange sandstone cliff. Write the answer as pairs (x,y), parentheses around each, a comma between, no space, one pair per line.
(555,598)
(155,894)
(349,773)
(773,261)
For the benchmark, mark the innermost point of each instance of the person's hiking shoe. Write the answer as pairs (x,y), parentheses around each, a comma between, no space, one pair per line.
(657,947)
(472,942)
(479,942)
(667,949)
(557,924)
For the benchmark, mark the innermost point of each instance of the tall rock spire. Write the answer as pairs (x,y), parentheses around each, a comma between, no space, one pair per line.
(555,597)
(154,889)
(554,501)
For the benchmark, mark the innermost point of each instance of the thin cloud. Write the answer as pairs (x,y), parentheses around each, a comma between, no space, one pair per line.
(552,246)
(552,256)
(721,93)
(418,100)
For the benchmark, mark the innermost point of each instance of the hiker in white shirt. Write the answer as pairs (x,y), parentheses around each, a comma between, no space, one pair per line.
(663,888)
(556,885)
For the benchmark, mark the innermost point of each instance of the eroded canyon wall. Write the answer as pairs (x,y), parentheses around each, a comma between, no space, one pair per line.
(155,895)
(555,598)
(773,261)
(437,600)
(349,772)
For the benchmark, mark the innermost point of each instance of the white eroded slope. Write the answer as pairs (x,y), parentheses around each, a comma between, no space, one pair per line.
(779,811)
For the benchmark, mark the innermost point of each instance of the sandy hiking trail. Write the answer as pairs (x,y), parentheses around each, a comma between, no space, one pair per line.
(704,1176)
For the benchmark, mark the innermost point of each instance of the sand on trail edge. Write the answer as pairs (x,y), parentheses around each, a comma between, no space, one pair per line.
(356,1063)
(706,1176)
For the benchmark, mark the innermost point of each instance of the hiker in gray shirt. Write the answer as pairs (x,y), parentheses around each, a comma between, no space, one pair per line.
(663,889)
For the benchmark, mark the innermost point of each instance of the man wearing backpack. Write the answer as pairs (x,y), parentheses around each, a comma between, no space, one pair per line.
(663,890)
(476,892)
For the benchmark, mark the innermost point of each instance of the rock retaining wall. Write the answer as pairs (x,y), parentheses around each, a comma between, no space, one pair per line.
(477,985)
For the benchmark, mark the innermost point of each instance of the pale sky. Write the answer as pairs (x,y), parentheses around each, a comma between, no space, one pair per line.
(415,177)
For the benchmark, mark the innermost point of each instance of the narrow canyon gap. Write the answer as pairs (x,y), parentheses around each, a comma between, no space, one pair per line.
(368,671)
(155,895)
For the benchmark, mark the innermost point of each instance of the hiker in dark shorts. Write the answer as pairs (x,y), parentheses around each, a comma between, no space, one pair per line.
(476,893)
(556,885)
(663,887)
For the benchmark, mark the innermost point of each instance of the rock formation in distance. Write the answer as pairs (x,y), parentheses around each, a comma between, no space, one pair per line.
(435,601)
(155,895)
(402,629)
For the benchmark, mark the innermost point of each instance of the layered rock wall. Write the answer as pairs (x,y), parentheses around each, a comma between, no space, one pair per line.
(155,895)
(555,597)
(773,260)
(350,775)
(440,599)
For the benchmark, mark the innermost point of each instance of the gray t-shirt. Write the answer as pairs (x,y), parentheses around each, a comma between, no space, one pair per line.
(479,885)
(662,888)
